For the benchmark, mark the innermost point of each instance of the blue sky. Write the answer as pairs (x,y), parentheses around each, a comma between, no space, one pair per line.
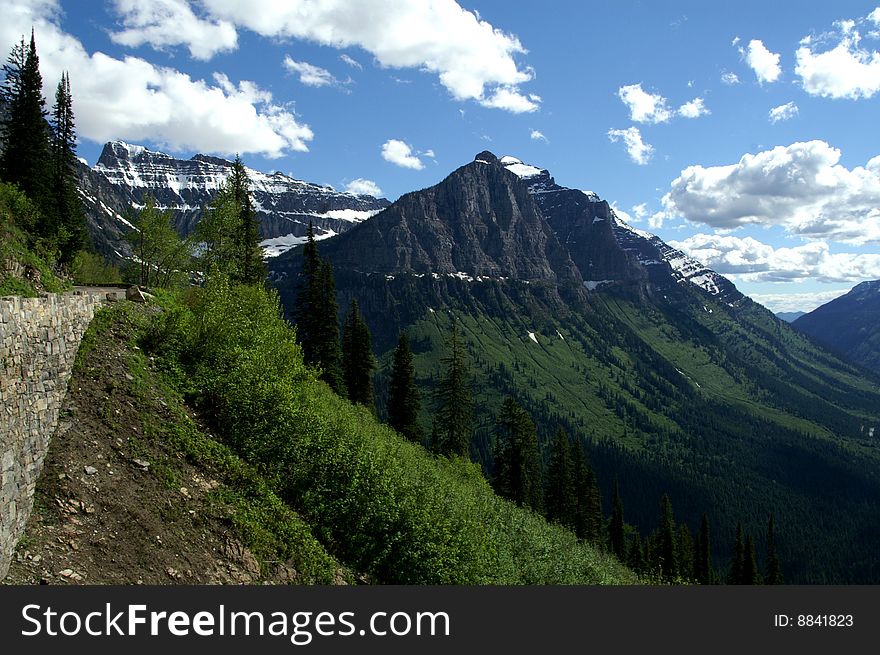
(745,134)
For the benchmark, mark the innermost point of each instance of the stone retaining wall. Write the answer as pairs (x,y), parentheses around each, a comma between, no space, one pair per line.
(39,338)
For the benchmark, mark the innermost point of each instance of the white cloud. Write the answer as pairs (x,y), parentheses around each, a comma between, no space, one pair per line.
(640,211)
(361,187)
(796,302)
(401,154)
(750,260)
(762,61)
(135,100)
(537,135)
(351,61)
(729,78)
(510,99)
(309,74)
(473,59)
(165,23)
(800,187)
(783,112)
(639,151)
(845,71)
(693,109)
(644,107)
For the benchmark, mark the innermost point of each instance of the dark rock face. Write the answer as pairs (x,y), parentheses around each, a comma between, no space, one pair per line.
(126,175)
(606,250)
(849,325)
(480,222)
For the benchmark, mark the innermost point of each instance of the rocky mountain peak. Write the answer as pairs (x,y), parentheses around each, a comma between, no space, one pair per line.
(126,174)
(486,157)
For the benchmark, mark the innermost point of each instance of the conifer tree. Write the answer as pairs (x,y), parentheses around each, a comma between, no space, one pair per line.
(617,527)
(774,566)
(230,231)
(685,551)
(635,558)
(560,501)
(69,228)
(737,562)
(358,362)
(26,154)
(326,342)
(454,398)
(703,573)
(595,519)
(517,461)
(580,471)
(666,540)
(588,520)
(250,268)
(404,401)
(307,299)
(750,573)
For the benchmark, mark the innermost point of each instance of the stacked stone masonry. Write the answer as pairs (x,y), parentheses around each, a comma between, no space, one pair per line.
(39,338)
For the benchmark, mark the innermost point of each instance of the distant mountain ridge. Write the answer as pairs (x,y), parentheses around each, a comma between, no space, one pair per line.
(849,325)
(126,174)
(789,317)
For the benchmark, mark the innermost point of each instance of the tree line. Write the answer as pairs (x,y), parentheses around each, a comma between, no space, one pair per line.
(39,155)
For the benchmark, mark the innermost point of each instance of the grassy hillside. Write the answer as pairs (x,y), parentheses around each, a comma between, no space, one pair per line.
(382,506)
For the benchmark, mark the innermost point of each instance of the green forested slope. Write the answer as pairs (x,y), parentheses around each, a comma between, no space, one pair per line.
(381,505)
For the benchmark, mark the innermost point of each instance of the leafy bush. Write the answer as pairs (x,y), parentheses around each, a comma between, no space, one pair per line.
(380,503)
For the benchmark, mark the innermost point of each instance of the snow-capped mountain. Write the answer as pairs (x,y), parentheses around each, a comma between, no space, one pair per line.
(607,249)
(125,175)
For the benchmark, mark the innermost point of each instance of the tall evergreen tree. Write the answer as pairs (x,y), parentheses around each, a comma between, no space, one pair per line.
(26,154)
(617,527)
(737,561)
(685,551)
(69,228)
(404,400)
(635,558)
(358,362)
(774,566)
(326,342)
(703,573)
(308,294)
(588,520)
(750,573)
(230,231)
(454,399)
(560,500)
(251,269)
(666,540)
(517,460)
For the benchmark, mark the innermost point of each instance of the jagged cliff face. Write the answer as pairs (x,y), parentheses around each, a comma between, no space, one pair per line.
(125,175)
(608,251)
